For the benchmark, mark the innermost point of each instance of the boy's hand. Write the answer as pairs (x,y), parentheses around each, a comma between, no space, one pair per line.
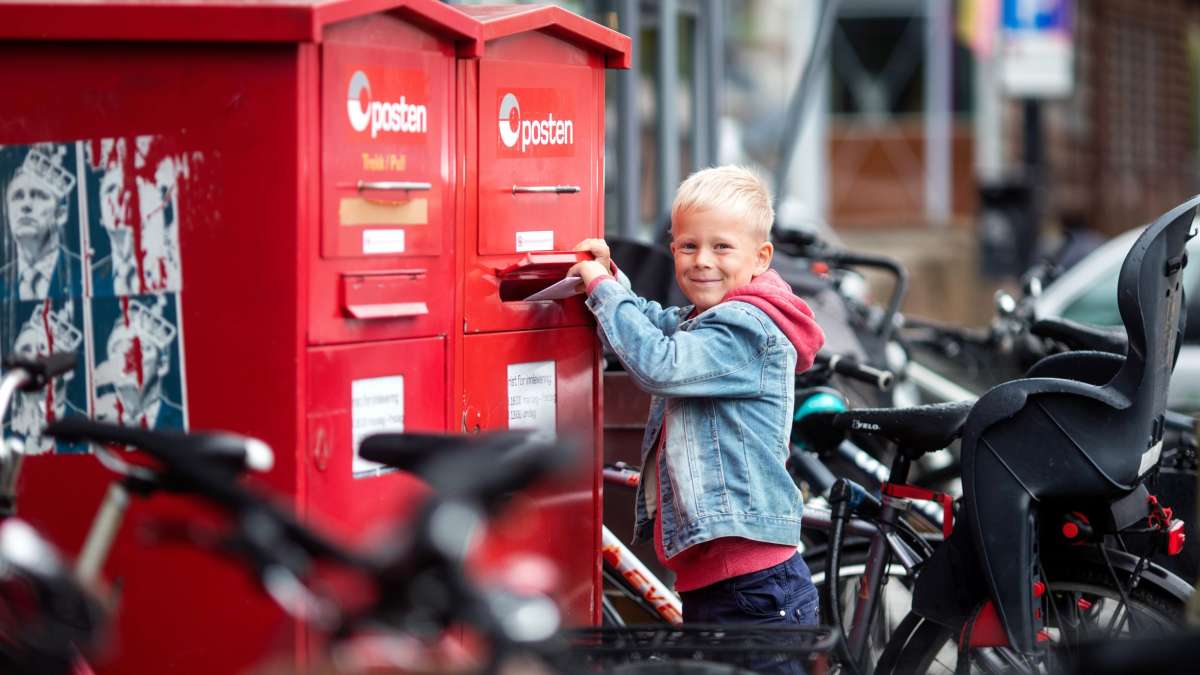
(599,250)
(588,271)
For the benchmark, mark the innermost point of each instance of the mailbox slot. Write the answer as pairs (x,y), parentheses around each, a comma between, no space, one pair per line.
(383,265)
(384,295)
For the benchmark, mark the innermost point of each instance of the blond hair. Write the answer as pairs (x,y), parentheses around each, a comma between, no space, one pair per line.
(731,188)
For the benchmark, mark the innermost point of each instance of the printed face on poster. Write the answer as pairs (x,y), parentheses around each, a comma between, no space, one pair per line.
(90,264)
(34,329)
(138,378)
(132,187)
(40,248)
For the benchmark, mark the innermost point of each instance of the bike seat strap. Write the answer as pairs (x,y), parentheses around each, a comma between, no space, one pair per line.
(1081,336)
(915,430)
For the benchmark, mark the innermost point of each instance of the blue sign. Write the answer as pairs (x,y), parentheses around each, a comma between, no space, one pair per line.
(1036,15)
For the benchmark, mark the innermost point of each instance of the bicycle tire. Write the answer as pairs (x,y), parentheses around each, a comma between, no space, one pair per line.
(923,646)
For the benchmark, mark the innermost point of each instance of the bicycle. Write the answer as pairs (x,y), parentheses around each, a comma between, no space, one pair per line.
(1061,591)
(419,588)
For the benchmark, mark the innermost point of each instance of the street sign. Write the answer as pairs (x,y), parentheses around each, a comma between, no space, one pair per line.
(1037,53)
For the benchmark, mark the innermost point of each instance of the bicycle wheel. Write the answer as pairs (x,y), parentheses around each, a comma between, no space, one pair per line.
(894,601)
(1085,602)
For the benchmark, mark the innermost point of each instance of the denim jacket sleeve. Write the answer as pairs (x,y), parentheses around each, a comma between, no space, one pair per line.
(667,320)
(720,354)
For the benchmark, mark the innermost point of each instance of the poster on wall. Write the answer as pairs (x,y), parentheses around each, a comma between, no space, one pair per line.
(40,248)
(138,374)
(33,329)
(90,264)
(132,189)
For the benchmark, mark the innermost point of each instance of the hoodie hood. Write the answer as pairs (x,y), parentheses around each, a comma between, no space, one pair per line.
(770,293)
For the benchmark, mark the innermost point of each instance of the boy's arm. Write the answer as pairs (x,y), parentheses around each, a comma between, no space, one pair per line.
(666,319)
(720,356)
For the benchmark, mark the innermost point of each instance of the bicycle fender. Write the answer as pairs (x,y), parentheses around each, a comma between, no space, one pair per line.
(1155,574)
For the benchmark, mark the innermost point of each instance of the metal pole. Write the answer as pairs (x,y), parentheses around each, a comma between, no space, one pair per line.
(714,24)
(667,110)
(701,84)
(989,127)
(628,128)
(938,121)
(818,57)
(1037,176)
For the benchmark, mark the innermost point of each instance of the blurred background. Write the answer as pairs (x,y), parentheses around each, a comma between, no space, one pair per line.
(968,138)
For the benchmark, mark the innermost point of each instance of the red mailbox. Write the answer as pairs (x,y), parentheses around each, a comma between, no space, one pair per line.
(239,215)
(534,147)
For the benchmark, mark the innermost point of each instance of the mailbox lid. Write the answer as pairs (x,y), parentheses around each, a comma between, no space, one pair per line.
(222,21)
(382,261)
(502,21)
(502,226)
(387,116)
(356,390)
(544,379)
(540,129)
(545,65)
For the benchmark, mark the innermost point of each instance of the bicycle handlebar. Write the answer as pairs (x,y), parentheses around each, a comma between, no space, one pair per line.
(851,368)
(806,244)
(41,369)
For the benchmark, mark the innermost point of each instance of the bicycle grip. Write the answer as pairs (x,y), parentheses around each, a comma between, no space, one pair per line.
(849,367)
(43,368)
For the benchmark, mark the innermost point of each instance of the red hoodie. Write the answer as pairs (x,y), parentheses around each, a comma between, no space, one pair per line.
(728,557)
(770,293)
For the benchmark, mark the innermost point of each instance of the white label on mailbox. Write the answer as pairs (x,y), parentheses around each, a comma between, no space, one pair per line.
(383,241)
(531,396)
(376,406)
(542,240)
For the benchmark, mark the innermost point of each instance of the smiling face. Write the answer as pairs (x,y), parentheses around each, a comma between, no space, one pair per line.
(714,254)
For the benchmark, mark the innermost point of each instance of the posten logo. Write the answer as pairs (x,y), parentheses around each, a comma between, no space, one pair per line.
(520,134)
(387,116)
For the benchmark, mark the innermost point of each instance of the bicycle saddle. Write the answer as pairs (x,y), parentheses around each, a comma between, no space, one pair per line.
(223,451)
(483,467)
(916,430)
(409,451)
(1081,336)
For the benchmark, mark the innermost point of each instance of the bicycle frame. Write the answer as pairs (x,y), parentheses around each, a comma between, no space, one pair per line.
(644,583)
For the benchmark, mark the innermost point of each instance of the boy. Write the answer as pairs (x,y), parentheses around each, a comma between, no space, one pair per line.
(724,513)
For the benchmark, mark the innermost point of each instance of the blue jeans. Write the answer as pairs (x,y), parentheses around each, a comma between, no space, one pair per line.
(783,594)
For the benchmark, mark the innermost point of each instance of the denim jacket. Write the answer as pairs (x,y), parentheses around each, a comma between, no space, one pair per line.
(725,381)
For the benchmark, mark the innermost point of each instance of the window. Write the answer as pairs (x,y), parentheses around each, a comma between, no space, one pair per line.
(1098,304)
